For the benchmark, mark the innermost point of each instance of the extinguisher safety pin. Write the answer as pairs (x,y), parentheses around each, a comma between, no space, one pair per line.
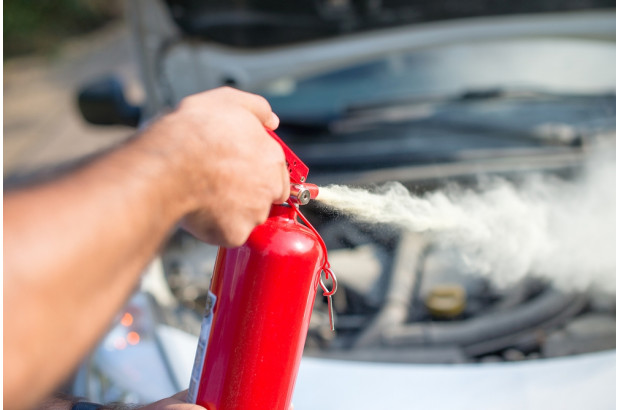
(328,293)
(329,274)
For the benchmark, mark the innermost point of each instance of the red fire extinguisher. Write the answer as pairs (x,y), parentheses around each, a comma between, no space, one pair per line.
(259,308)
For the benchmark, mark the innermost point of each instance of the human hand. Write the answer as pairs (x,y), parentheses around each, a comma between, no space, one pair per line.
(62,401)
(176,402)
(231,170)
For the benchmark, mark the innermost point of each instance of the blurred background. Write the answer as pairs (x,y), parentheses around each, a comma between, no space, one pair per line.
(503,112)
(50,50)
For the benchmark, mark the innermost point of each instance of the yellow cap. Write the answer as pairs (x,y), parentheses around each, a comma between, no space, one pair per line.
(446,300)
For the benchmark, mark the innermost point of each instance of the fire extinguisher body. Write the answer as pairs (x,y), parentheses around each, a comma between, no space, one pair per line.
(264,292)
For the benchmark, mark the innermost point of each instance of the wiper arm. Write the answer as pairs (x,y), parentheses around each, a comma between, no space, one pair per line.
(358,117)
(376,111)
(415,108)
(468,95)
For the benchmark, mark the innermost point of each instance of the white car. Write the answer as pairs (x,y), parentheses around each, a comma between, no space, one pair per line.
(431,96)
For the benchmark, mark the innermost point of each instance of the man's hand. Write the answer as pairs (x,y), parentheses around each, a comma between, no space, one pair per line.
(176,402)
(231,168)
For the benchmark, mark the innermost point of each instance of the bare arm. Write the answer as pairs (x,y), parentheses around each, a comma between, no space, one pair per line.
(74,248)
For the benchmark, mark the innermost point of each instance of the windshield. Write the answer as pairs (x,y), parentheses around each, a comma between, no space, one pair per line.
(567,66)
(514,97)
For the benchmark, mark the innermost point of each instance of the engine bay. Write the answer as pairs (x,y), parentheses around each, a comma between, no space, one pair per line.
(408,297)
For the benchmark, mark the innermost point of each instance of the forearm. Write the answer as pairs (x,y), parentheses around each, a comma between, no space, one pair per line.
(88,237)
(74,248)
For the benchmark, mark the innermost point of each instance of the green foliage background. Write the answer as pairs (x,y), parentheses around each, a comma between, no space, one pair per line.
(40,25)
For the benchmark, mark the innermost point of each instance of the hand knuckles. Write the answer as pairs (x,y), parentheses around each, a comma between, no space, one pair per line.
(274,151)
(262,102)
(226,89)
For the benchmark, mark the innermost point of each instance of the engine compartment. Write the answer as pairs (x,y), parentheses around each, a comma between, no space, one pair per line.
(408,297)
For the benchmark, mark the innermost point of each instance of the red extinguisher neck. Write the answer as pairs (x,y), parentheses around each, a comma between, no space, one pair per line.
(286,211)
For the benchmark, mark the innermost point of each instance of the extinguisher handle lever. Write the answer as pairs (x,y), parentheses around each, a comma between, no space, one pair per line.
(297,169)
(301,192)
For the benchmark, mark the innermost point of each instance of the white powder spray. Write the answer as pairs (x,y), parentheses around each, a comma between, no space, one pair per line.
(560,230)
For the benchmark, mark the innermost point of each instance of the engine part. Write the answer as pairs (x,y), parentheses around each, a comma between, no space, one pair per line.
(446,301)
(588,333)
(478,329)
(398,298)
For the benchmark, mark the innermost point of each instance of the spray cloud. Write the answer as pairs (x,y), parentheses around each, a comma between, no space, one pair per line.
(556,229)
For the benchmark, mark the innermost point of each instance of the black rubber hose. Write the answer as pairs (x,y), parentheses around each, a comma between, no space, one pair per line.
(400,290)
(530,314)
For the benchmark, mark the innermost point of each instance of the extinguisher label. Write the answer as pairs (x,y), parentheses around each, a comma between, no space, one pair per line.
(201,349)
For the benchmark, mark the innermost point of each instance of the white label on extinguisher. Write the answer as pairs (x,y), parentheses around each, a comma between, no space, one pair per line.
(201,349)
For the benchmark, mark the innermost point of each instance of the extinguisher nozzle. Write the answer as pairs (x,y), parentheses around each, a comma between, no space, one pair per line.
(303,193)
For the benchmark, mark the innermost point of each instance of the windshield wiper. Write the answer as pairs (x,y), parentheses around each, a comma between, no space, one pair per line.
(447,112)
(469,95)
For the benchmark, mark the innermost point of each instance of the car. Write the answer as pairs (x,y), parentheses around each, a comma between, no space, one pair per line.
(494,122)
